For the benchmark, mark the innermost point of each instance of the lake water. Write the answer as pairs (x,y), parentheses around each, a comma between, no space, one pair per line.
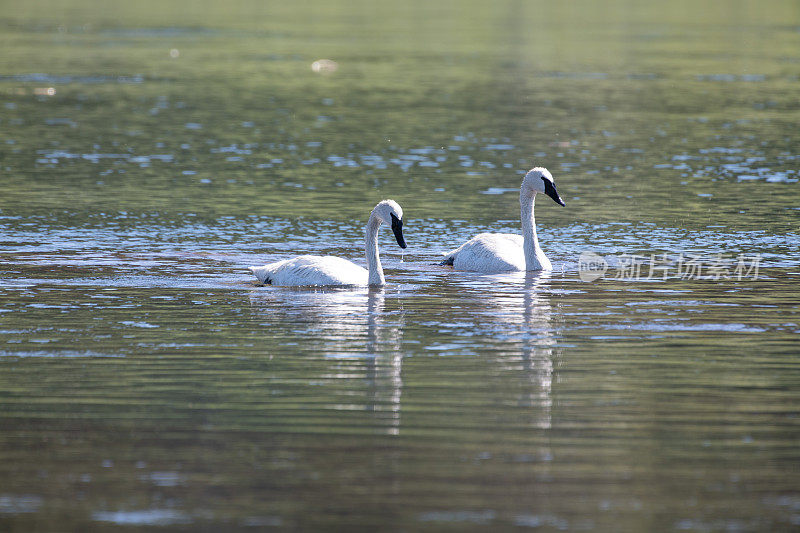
(151,151)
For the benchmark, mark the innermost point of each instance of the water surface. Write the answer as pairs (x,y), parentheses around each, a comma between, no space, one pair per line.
(150,152)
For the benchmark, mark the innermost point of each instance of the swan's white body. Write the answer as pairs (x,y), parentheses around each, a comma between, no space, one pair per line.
(491,252)
(312,270)
(328,270)
(503,252)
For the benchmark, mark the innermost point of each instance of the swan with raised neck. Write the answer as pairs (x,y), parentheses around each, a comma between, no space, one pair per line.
(502,252)
(328,270)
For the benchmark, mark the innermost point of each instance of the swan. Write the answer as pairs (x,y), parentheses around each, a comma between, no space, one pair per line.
(502,252)
(331,270)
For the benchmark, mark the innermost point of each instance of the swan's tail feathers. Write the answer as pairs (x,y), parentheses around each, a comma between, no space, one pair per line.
(450,256)
(448,260)
(262,273)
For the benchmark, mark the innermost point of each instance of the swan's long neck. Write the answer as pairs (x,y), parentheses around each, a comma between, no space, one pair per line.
(374,266)
(534,255)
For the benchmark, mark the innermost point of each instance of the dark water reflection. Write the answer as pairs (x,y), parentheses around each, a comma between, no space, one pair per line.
(147,403)
(150,153)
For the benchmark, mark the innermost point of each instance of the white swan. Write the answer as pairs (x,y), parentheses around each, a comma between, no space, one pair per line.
(331,270)
(501,252)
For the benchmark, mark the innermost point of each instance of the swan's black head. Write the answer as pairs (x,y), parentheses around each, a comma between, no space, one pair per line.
(397,229)
(540,180)
(550,190)
(390,213)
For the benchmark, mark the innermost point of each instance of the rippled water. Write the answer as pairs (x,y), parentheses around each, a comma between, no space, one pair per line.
(150,152)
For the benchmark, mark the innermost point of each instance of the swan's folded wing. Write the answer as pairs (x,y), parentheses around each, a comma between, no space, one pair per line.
(308,270)
(489,252)
(267,272)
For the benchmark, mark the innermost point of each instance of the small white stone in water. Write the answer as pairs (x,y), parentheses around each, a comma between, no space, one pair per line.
(324,66)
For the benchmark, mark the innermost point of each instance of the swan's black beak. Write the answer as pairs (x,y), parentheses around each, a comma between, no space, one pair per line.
(550,190)
(397,229)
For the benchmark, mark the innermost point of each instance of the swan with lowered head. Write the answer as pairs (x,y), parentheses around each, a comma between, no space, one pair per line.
(330,270)
(502,252)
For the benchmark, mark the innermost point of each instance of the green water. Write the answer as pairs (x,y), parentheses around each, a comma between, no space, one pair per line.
(150,151)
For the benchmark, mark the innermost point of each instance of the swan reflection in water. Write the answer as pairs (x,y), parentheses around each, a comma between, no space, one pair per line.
(358,334)
(538,346)
(514,310)
(354,333)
